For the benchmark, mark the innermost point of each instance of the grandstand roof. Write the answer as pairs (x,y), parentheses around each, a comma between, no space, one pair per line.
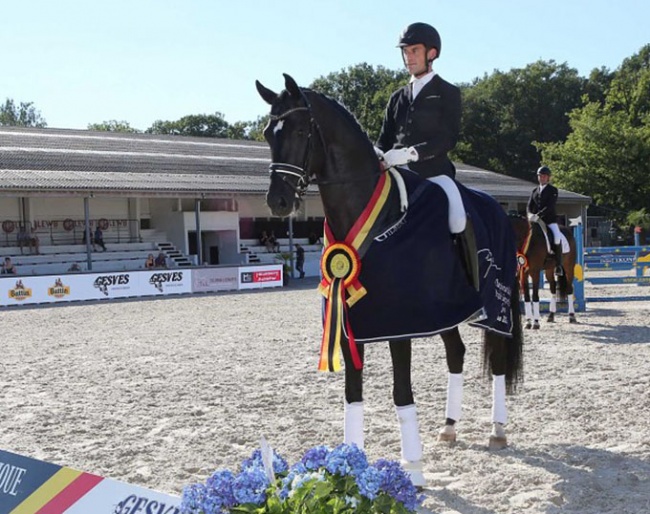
(62,161)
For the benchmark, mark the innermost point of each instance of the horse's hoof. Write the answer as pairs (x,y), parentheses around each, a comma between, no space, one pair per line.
(551,318)
(497,443)
(572,318)
(528,324)
(414,470)
(498,439)
(447,434)
(536,325)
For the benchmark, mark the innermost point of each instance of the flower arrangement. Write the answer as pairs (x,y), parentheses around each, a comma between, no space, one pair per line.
(325,480)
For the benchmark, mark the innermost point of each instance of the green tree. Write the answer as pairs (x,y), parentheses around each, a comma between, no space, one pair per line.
(202,125)
(630,88)
(607,154)
(364,90)
(605,157)
(505,113)
(237,130)
(113,126)
(255,129)
(23,115)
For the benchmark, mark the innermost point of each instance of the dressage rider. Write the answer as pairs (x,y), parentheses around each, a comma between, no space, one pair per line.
(421,124)
(542,205)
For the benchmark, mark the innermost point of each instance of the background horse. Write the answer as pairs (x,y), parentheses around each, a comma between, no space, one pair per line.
(531,243)
(313,139)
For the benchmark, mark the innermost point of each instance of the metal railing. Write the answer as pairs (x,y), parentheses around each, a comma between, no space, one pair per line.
(69,231)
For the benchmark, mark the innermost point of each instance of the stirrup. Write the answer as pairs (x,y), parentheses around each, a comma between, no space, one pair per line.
(466,242)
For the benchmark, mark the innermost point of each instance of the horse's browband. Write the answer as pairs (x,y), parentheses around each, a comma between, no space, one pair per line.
(276,117)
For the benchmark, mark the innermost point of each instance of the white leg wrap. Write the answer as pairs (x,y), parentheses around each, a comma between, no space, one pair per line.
(353,424)
(499,411)
(528,310)
(571,306)
(410,432)
(411,444)
(457,215)
(454,396)
(536,311)
(553,305)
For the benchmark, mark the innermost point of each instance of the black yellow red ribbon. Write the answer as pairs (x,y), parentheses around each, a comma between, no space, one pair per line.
(340,268)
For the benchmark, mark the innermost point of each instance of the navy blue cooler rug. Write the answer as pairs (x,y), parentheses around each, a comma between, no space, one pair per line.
(415,282)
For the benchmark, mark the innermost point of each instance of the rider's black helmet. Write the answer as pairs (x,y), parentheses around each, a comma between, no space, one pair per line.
(420,33)
(544,170)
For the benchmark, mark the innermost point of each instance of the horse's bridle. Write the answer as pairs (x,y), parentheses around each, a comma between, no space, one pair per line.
(305,178)
(285,169)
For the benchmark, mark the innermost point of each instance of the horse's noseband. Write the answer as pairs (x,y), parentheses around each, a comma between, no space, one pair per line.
(285,169)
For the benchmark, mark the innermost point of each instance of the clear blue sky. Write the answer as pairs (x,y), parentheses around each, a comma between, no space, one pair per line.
(88,61)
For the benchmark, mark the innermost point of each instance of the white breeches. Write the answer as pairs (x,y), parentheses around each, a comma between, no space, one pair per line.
(457,215)
(557,237)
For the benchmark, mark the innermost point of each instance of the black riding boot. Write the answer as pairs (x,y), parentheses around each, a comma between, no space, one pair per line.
(558,259)
(465,241)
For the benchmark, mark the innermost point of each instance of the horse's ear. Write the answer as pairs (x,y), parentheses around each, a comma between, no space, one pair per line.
(291,86)
(268,95)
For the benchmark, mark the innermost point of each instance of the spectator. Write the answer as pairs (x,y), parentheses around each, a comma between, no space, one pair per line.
(161,261)
(149,263)
(314,239)
(300,260)
(99,238)
(272,244)
(74,267)
(264,238)
(27,237)
(8,267)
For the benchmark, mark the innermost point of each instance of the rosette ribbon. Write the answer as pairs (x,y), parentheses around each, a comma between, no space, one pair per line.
(340,269)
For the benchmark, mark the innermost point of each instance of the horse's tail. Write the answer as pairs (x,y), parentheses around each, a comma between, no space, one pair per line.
(514,345)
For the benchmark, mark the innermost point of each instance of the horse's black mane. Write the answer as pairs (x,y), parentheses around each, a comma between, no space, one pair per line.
(340,108)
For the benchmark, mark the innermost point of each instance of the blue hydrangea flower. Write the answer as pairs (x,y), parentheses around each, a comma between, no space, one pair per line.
(297,469)
(398,484)
(255,461)
(316,458)
(192,500)
(250,486)
(369,482)
(220,495)
(346,460)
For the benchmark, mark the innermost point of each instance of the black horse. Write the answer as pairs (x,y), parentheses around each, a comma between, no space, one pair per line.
(535,256)
(374,272)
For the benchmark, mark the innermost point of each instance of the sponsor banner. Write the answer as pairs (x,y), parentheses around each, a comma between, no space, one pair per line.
(18,290)
(24,290)
(28,486)
(214,279)
(101,286)
(164,282)
(257,277)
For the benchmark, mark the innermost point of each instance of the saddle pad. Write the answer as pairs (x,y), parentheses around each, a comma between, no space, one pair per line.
(415,282)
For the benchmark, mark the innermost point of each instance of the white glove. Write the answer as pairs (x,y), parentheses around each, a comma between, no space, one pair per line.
(534,218)
(379,153)
(400,156)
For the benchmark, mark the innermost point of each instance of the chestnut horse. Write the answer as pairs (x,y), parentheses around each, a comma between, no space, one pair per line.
(534,258)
